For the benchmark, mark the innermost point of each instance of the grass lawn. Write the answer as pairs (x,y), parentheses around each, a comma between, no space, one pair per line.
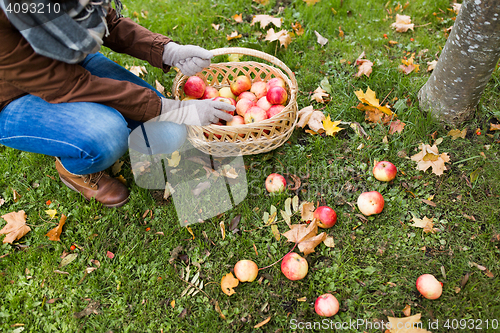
(375,262)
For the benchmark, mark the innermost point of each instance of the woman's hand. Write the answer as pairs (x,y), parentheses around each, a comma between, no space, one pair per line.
(195,112)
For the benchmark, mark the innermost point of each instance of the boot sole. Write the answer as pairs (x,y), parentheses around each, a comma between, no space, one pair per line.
(119,204)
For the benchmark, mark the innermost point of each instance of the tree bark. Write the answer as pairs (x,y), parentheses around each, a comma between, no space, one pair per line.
(467,61)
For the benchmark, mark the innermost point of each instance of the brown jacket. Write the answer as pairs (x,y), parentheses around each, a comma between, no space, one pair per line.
(22,71)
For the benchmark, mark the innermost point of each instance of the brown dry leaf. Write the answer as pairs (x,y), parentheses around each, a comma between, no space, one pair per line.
(55,234)
(318,95)
(216,26)
(307,211)
(396,126)
(374,115)
(494,127)
(117,167)
(233,35)
(262,323)
(262,2)
(312,118)
(425,223)
(160,88)
(431,65)
(331,127)
(297,27)
(407,310)
(265,20)
(403,23)
(455,133)
(320,39)
(138,70)
(16,226)
(311,2)
(219,311)
(408,65)
(407,324)
(329,242)
(228,282)
(222,229)
(15,195)
(430,157)
(365,67)
(341,33)
(238,18)
(307,246)
(305,236)
(370,98)
(282,36)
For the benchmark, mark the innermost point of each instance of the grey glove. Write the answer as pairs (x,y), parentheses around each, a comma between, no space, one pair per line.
(190,59)
(194,112)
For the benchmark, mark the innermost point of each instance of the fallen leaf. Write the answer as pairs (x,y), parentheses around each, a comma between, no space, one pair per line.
(227,283)
(234,222)
(216,26)
(430,157)
(365,67)
(16,226)
(407,310)
(90,309)
(222,229)
(233,57)
(229,172)
(329,242)
(370,98)
(494,127)
(318,95)
(431,65)
(305,235)
(262,2)
(312,118)
(169,190)
(331,127)
(403,23)
(174,160)
(55,234)
(188,228)
(307,211)
(117,167)
(60,272)
(297,27)
(122,179)
(265,20)
(138,70)
(233,35)
(276,232)
(406,325)
(396,126)
(341,33)
(455,133)
(320,39)
(15,195)
(265,321)
(217,307)
(238,18)
(51,212)
(408,65)
(425,223)
(456,7)
(282,36)
(2,201)
(161,90)
(68,259)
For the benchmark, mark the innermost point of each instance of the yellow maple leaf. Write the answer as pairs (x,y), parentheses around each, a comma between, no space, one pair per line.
(174,160)
(16,226)
(331,127)
(456,133)
(370,98)
(51,212)
(408,65)
(425,223)
(265,20)
(403,23)
(282,36)
(297,27)
(311,2)
(430,157)
(234,35)
(238,17)
(318,95)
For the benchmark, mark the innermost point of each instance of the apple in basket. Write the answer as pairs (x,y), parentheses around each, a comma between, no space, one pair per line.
(263,103)
(275,81)
(210,92)
(254,115)
(237,120)
(259,88)
(218,136)
(243,105)
(240,84)
(248,95)
(277,95)
(195,87)
(274,110)
(227,100)
(226,92)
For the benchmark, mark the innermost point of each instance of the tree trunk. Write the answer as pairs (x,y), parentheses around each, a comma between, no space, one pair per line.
(464,68)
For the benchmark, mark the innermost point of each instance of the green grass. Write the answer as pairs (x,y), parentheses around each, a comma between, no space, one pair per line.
(372,268)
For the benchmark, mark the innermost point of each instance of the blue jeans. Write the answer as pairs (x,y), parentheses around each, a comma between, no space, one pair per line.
(87,137)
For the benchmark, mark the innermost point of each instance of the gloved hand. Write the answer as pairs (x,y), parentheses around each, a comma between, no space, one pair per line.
(194,112)
(190,59)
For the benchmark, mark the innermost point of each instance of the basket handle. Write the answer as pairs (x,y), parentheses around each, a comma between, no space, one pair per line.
(258,54)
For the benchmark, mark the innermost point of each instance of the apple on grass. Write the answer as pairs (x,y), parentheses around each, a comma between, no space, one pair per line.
(248,95)
(243,105)
(194,87)
(326,305)
(210,92)
(429,286)
(259,88)
(294,267)
(325,217)
(277,95)
(246,270)
(384,171)
(240,84)
(254,115)
(275,81)
(275,183)
(226,92)
(370,203)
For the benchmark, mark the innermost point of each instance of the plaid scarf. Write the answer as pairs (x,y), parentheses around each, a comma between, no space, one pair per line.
(68,34)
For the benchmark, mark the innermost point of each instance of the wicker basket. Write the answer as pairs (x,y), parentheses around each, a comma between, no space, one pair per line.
(245,139)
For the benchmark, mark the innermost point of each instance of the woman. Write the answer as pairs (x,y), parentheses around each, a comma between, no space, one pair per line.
(59,97)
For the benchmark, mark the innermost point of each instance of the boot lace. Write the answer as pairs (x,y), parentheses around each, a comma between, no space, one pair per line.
(93,178)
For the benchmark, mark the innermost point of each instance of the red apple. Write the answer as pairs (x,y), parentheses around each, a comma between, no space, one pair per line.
(325,217)
(370,203)
(248,95)
(326,305)
(277,95)
(259,88)
(275,183)
(274,110)
(275,81)
(240,84)
(246,270)
(195,87)
(384,171)
(237,120)
(227,100)
(294,266)
(226,92)
(254,115)
(429,286)
(263,103)
(210,92)
(243,105)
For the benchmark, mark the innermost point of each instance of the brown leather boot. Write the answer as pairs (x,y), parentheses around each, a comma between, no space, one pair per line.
(105,189)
